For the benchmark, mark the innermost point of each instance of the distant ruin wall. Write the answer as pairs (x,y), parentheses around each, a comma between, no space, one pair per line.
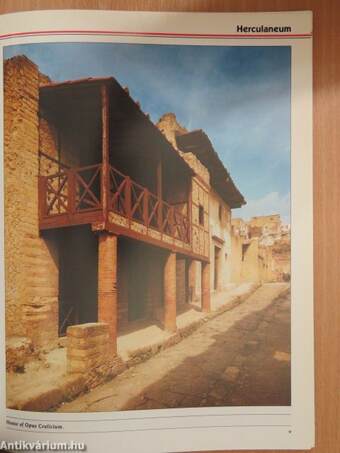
(171,128)
(236,258)
(200,170)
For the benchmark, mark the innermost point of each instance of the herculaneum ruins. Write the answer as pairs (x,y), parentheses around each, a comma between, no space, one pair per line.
(112,222)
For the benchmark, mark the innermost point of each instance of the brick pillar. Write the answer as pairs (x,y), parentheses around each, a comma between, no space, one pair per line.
(107,284)
(122,286)
(205,287)
(170,293)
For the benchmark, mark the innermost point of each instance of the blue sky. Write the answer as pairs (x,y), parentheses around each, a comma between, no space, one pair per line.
(240,96)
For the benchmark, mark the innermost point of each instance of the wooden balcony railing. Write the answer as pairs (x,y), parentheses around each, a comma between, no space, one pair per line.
(70,191)
(137,203)
(76,193)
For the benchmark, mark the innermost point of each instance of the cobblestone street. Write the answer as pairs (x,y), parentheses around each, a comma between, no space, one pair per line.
(241,357)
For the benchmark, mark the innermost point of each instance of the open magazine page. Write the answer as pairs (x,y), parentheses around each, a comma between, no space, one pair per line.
(157,262)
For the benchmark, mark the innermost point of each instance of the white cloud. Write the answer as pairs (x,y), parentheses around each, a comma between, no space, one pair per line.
(271,203)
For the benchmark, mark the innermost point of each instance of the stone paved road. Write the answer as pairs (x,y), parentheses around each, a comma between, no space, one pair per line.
(241,357)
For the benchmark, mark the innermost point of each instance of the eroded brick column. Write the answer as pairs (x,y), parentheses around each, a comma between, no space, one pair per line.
(31,265)
(107,284)
(170,293)
(205,287)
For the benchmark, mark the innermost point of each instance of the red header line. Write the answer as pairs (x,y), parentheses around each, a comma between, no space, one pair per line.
(153,34)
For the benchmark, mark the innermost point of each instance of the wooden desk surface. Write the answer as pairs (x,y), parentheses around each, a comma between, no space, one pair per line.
(326,175)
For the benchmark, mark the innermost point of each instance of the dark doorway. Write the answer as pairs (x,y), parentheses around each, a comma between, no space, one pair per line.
(140,281)
(137,291)
(182,291)
(78,276)
(217,267)
(133,260)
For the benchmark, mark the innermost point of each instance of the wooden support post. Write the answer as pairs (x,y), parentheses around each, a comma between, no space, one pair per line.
(172,221)
(205,282)
(107,284)
(105,181)
(71,192)
(160,215)
(127,198)
(146,208)
(159,195)
(170,293)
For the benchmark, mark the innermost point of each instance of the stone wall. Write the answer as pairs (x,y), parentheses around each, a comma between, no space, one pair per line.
(88,346)
(200,170)
(220,237)
(31,264)
(57,144)
(246,263)
(271,262)
(171,128)
(49,146)
(266,264)
(194,277)
(268,223)
(200,230)
(90,353)
(250,264)
(281,259)
(236,258)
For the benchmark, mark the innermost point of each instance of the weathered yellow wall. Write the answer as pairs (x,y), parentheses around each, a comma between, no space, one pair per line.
(200,233)
(273,260)
(48,145)
(236,258)
(194,277)
(31,263)
(266,273)
(250,265)
(220,236)
(246,266)
(281,256)
(170,127)
(268,223)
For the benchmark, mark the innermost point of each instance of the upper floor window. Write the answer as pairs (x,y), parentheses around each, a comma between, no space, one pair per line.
(220,212)
(201,215)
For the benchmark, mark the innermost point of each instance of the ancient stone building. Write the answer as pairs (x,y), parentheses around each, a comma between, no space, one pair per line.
(261,249)
(103,216)
(197,150)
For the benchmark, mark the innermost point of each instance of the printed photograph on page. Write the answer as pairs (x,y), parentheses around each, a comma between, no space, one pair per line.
(147,226)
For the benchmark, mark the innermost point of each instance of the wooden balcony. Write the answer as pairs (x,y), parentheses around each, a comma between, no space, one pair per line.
(76,196)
